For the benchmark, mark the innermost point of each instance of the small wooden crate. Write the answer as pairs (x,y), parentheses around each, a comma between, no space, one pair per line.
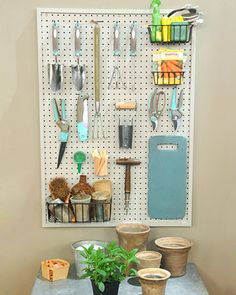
(55,269)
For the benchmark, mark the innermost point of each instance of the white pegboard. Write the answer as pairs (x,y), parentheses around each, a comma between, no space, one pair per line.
(66,19)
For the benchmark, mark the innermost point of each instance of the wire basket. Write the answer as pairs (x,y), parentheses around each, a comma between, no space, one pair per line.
(79,213)
(167,78)
(174,33)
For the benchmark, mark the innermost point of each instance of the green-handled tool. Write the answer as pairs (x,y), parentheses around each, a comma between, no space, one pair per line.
(79,158)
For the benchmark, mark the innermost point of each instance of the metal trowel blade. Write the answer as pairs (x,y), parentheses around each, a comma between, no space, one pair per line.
(55,76)
(78,76)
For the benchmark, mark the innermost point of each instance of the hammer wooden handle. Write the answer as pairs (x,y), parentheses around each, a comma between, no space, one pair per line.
(126,105)
(127,179)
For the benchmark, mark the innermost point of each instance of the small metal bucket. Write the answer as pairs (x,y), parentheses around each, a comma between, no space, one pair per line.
(125,136)
(77,246)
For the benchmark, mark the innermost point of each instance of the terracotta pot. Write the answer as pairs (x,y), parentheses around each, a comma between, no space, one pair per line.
(174,252)
(133,235)
(103,185)
(153,280)
(102,210)
(81,210)
(149,259)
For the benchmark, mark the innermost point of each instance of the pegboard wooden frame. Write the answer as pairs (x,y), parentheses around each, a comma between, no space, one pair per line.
(138,212)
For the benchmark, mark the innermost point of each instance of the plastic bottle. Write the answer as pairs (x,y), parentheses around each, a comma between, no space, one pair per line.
(156,21)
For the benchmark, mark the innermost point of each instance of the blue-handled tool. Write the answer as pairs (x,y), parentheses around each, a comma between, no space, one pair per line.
(62,123)
(156,107)
(176,114)
(82,117)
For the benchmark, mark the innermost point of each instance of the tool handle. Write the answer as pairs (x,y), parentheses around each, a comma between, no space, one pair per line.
(176,10)
(55,110)
(63,109)
(80,109)
(63,136)
(97,62)
(82,131)
(132,105)
(55,49)
(180,101)
(127,179)
(82,113)
(173,99)
(150,99)
(79,166)
(158,107)
(116,39)
(77,40)
(133,39)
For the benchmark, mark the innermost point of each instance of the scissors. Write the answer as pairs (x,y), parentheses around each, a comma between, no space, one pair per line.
(62,123)
(155,107)
(176,114)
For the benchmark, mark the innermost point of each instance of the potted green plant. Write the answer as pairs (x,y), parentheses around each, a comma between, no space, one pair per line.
(107,267)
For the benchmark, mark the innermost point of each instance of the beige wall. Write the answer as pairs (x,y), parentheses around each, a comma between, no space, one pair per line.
(24,243)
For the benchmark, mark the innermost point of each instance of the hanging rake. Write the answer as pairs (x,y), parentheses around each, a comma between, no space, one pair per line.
(98,131)
(116,74)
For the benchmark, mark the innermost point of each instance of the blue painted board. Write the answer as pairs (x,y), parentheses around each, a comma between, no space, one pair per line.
(167,177)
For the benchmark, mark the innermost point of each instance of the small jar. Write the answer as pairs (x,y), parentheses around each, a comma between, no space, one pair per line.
(102,210)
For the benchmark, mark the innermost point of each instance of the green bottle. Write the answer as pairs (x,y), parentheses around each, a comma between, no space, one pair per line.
(156,21)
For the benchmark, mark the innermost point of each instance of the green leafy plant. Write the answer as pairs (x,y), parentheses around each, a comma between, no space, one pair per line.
(109,264)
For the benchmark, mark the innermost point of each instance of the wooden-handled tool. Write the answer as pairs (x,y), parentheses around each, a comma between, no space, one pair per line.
(128,163)
(131,105)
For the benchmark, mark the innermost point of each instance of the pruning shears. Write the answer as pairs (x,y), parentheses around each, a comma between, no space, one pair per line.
(155,107)
(176,113)
(62,123)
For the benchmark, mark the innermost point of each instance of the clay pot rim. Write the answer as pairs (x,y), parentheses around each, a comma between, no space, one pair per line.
(157,271)
(143,255)
(120,227)
(165,243)
(84,199)
(101,196)
(103,181)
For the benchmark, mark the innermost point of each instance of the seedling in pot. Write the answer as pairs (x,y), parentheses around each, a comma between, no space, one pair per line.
(108,266)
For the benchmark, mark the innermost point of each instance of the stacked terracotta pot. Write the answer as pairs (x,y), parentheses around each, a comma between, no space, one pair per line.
(172,256)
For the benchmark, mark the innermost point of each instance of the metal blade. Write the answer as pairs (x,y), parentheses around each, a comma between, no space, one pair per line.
(55,76)
(61,153)
(175,123)
(153,125)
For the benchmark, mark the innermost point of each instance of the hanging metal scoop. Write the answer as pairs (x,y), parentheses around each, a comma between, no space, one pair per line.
(55,71)
(78,71)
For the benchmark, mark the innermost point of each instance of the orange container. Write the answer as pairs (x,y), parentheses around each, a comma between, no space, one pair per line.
(55,269)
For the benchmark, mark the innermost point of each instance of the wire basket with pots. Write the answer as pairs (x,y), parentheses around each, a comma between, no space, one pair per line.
(81,203)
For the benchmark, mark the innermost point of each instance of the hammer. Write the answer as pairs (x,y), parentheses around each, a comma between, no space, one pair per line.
(128,163)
